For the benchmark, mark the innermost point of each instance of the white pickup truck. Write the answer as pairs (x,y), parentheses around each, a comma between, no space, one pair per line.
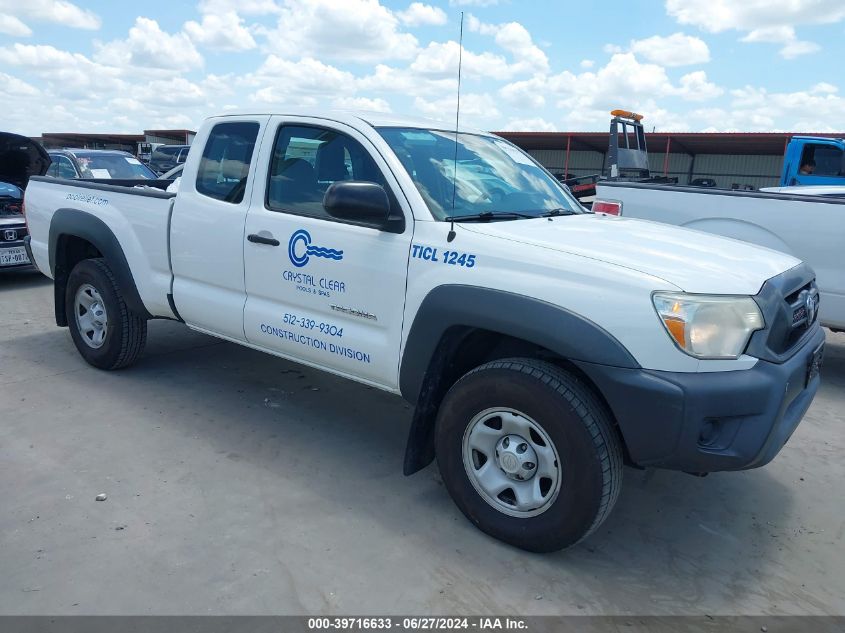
(542,345)
(807,222)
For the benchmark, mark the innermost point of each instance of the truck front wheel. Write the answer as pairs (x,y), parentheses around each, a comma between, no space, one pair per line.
(528,453)
(106,333)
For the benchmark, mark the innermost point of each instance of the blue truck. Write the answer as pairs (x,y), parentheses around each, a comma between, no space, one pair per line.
(811,160)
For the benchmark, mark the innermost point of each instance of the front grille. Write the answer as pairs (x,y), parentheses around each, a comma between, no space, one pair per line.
(804,305)
(790,307)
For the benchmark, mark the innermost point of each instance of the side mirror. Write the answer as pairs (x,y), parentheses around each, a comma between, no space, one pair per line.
(357,201)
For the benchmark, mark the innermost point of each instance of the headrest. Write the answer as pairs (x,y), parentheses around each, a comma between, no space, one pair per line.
(331,160)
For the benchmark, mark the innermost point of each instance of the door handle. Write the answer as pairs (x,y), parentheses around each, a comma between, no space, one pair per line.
(260,239)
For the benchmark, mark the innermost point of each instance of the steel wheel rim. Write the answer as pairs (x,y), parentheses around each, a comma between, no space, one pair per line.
(91,316)
(494,467)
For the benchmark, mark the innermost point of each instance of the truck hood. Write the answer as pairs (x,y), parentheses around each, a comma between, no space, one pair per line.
(691,260)
(20,158)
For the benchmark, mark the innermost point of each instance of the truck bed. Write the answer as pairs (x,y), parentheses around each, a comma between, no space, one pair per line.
(810,228)
(138,216)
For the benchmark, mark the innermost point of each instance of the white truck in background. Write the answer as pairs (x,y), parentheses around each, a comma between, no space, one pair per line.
(542,345)
(809,226)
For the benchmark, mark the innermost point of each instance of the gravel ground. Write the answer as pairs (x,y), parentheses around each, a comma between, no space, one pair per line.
(238,483)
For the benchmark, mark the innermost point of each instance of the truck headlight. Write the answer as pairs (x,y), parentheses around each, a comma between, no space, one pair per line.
(708,326)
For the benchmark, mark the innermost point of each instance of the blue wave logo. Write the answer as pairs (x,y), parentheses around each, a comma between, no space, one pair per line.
(299,256)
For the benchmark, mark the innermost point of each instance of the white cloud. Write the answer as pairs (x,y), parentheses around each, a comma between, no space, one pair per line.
(361,103)
(695,87)
(398,81)
(304,82)
(785,35)
(677,49)
(219,85)
(419,14)
(245,7)
(514,38)
(149,47)
(525,94)
(585,99)
(441,60)
(58,11)
(71,75)
(763,20)
(177,91)
(536,124)
(796,48)
(755,109)
(14,86)
(10,25)
(222,31)
(722,15)
(359,54)
(473,3)
(477,110)
(349,30)
(623,76)
(775,34)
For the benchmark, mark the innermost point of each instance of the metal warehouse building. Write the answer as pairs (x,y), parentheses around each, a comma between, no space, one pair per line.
(127,142)
(741,160)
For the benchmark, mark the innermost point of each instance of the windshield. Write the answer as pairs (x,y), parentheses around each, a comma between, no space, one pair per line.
(112,166)
(493,176)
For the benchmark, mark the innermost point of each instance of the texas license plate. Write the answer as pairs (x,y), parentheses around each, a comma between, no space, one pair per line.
(815,363)
(13,256)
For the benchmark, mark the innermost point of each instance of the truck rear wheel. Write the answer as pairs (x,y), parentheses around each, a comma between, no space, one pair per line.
(106,333)
(528,453)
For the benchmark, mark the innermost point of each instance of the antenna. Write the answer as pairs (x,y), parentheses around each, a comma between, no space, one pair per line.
(451,235)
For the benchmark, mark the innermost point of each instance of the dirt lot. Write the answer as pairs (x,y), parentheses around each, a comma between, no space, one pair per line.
(241,483)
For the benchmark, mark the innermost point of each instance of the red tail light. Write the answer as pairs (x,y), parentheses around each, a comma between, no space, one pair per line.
(608,207)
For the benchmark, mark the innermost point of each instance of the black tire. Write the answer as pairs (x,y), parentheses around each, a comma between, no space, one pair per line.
(578,424)
(125,332)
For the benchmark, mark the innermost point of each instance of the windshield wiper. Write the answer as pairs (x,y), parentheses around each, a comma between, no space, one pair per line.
(486,216)
(559,211)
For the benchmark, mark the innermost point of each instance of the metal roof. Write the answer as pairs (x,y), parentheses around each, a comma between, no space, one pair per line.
(772,143)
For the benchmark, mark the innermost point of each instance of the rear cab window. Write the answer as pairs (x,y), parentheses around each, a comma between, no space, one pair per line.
(225,161)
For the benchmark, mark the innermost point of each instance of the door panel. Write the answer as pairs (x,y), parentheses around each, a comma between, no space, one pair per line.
(330,293)
(207,228)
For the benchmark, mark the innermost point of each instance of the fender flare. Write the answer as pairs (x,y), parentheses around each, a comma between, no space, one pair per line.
(76,223)
(555,328)
(447,310)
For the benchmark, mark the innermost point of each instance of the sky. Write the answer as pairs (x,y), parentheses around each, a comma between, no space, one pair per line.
(686,65)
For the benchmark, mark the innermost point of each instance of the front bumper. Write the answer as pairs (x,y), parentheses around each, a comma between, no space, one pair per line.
(706,422)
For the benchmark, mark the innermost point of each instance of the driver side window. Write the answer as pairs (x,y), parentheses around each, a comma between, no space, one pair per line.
(307,160)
